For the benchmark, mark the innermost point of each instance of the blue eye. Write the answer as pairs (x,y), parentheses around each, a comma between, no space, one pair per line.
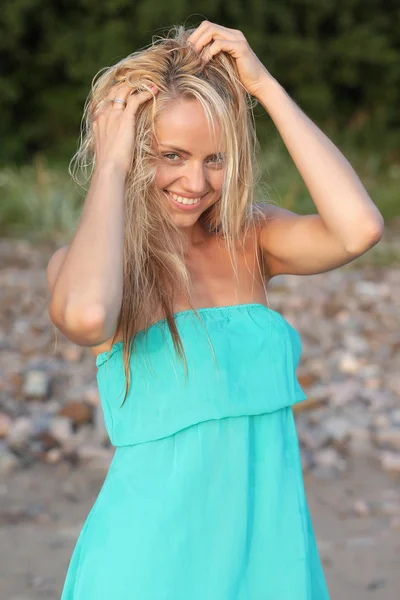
(218,157)
(215,159)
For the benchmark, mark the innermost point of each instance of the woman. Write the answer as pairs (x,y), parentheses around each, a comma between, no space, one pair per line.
(165,279)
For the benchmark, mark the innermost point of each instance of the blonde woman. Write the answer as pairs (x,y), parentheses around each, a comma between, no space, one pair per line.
(166,279)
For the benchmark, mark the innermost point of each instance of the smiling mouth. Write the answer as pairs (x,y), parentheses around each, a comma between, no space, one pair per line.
(183,201)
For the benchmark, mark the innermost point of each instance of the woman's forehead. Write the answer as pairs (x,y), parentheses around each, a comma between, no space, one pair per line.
(185,126)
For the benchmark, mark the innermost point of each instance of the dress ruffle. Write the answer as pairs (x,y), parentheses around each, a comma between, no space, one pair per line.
(246,367)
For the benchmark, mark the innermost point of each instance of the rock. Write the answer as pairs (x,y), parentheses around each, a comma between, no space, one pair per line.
(5,423)
(309,403)
(329,458)
(8,461)
(343,392)
(72,354)
(322,472)
(376,584)
(317,415)
(390,461)
(388,438)
(372,383)
(47,442)
(360,443)
(357,416)
(89,451)
(306,459)
(372,289)
(349,369)
(371,371)
(306,379)
(19,433)
(60,429)
(338,428)
(395,417)
(53,456)
(361,508)
(355,343)
(348,363)
(393,383)
(312,437)
(380,421)
(36,385)
(40,422)
(92,396)
(77,412)
(84,435)
(94,456)
(52,407)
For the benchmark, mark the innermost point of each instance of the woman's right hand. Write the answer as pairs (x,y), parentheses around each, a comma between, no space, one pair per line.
(114,126)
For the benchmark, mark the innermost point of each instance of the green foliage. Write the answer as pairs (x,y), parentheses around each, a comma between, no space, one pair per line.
(282,184)
(337,58)
(42,203)
(38,203)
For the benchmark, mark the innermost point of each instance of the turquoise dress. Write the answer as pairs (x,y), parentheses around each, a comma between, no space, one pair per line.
(204,497)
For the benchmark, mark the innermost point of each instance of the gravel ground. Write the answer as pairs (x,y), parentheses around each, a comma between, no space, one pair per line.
(44,507)
(53,444)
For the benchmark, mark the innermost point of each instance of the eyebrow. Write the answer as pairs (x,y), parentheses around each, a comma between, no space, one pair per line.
(185,151)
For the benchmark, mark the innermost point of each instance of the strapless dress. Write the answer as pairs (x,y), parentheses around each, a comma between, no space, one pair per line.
(204,497)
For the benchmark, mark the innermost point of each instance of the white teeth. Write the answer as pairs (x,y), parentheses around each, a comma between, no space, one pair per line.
(185,200)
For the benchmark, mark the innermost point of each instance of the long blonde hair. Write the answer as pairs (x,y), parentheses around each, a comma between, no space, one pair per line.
(154,266)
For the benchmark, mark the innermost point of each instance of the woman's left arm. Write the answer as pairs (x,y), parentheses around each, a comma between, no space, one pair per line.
(342,202)
(348,223)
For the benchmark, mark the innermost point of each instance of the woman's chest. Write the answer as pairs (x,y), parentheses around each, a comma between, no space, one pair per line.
(219,278)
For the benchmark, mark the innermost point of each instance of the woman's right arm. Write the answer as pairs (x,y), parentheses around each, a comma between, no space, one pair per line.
(87,292)
(86,278)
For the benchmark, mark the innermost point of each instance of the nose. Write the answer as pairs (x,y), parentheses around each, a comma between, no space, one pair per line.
(195,180)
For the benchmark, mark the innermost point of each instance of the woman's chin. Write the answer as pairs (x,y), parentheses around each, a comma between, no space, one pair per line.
(184,221)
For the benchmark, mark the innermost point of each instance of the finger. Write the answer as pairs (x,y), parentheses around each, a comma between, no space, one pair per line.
(119,101)
(211,31)
(103,105)
(136,99)
(192,39)
(116,90)
(212,35)
(120,91)
(231,47)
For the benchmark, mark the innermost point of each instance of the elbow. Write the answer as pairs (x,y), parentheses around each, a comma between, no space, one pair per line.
(370,238)
(84,327)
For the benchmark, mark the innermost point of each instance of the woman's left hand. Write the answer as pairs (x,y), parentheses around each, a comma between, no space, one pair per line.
(250,68)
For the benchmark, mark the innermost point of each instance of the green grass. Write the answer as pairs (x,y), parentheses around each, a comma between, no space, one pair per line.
(38,203)
(379,171)
(41,203)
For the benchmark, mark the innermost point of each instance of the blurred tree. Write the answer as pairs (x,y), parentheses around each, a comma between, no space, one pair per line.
(337,58)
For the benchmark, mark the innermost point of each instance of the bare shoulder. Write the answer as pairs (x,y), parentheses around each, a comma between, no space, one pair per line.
(268,215)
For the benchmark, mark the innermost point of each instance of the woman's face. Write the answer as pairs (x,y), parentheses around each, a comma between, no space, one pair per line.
(190,171)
